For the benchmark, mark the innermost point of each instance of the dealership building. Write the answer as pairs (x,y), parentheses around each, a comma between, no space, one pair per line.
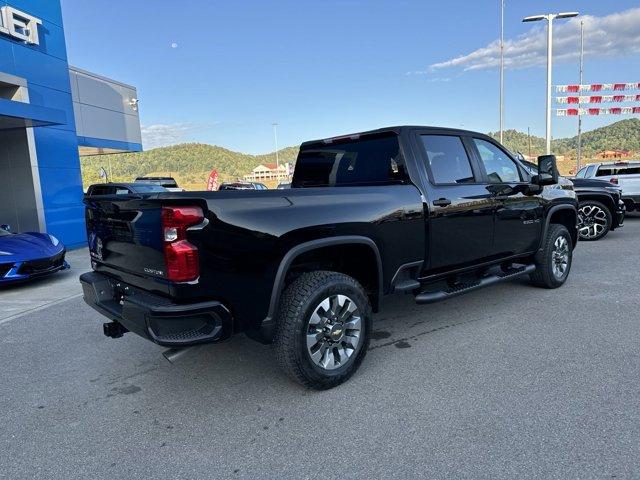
(50,114)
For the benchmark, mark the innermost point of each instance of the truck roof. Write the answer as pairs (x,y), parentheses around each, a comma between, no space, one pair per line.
(620,163)
(392,129)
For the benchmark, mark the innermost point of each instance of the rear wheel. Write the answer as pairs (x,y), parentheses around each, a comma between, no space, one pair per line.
(554,265)
(323,329)
(594,220)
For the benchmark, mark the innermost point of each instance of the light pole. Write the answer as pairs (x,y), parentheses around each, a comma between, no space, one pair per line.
(501,68)
(550,17)
(579,155)
(275,137)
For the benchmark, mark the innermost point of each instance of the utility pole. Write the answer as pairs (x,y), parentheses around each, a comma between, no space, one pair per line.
(579,154)
(501,69)
(275,137)
(549,18)
(529,138)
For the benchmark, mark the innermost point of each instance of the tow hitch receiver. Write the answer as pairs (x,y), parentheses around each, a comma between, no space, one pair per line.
(114,329)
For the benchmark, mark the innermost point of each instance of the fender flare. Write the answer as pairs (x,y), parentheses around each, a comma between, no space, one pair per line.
(598,196)
(547,222)
(267,328)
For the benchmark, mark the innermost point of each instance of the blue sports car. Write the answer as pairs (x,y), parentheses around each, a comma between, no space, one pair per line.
(24,256)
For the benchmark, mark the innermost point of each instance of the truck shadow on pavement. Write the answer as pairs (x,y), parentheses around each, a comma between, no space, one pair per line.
(241,364)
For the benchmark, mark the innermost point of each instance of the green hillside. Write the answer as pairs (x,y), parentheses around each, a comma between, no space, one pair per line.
(190,163)
(621,135)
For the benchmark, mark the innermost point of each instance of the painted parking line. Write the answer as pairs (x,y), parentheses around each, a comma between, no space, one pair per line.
(38,308)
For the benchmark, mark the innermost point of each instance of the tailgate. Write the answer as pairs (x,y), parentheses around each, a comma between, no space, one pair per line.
(124,235)
(630,184)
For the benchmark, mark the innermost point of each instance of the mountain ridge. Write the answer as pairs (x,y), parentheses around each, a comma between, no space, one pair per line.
(190,163)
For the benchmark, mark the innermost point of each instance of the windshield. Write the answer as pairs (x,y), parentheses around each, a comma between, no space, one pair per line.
(164,182)
(150,188)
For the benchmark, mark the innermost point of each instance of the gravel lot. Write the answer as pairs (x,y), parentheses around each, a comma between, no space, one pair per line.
(508,382)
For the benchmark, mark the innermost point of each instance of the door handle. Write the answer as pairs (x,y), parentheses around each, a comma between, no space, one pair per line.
(442,202)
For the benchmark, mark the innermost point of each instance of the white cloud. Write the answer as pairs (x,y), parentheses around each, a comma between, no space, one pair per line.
(613,35)
(161,135)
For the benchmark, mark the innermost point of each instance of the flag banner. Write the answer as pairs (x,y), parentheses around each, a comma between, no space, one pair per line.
(599,99)
(212,181)
(569,112)
(597,87)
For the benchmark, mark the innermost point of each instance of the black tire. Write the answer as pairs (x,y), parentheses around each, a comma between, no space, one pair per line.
(298,303)
(604,220)
(544,275)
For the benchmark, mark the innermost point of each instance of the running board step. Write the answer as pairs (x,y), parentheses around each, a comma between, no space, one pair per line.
(459,289)
(406,285)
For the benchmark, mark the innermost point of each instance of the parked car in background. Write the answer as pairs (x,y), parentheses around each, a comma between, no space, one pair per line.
(243,186)
(167,182)
(283,186)
(123,189)
(24,256)
(626,174)
(600,207)
(433,212)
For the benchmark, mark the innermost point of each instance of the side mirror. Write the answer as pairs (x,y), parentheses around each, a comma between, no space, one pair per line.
(5,227)
(547,171)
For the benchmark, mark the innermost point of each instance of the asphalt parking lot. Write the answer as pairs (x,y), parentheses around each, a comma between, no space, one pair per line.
(508,382)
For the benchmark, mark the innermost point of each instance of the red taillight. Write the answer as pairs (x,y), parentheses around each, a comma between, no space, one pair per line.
(180,256)
(614,180)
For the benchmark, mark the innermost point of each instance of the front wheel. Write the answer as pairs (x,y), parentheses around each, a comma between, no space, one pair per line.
(554,265)
(323,329)
(594,220)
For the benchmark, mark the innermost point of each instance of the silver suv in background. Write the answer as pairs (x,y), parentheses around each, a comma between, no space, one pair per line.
(625,174)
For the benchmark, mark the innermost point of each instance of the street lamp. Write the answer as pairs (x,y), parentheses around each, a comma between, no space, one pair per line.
(275,137)
(550,17)
(501,69)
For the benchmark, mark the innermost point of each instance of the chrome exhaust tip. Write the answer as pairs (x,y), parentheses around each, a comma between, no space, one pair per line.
(174,354)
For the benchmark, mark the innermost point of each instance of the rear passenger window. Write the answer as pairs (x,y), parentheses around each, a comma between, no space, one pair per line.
(604,172)
(101,190)
(367,161)
(448,159)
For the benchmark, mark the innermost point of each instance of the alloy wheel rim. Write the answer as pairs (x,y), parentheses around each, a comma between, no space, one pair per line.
(592,221)
(560,257)
(333,332)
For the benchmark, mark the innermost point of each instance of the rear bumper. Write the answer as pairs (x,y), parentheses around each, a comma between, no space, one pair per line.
(154,317)
(618,215)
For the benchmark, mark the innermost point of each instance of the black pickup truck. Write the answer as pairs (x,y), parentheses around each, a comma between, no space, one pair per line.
(429,211)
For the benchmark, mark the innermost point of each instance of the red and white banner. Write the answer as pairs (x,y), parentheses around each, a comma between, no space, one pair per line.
(599,99)
(597,87)
(212,183)
(567,112)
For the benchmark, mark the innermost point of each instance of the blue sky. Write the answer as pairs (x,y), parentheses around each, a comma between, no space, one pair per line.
(222,72)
